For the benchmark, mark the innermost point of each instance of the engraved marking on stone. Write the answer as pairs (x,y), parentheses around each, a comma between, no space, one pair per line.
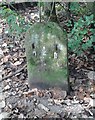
(34,53)
(55,55)
(33,46)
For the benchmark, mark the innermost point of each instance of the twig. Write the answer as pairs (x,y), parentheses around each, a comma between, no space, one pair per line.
(40,11)
(51,12)
(18,71)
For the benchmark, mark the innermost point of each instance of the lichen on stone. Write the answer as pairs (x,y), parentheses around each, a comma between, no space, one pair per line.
(46,53)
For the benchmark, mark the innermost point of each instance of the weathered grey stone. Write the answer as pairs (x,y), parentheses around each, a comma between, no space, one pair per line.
(46,53)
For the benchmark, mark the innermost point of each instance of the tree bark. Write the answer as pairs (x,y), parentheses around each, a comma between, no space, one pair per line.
(50,11)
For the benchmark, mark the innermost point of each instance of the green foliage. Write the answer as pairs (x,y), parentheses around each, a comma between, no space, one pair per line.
(15,21)
(81,36)
(81,8)
(41,4)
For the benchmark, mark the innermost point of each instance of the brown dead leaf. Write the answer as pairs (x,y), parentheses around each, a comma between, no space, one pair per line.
(31,92)
(6,58)
(81,89)
(80,95)
(40,93)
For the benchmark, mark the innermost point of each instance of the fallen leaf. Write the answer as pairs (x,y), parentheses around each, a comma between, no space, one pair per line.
(2,104)
(7,87)
(17,63)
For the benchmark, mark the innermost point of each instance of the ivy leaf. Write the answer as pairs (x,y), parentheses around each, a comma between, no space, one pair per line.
(85,31)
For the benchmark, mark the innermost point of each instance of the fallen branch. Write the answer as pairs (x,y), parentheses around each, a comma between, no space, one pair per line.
(18,71)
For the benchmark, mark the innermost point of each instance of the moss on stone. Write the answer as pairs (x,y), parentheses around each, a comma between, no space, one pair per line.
(46,54)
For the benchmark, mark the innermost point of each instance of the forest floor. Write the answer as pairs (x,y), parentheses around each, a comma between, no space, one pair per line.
(18,101)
